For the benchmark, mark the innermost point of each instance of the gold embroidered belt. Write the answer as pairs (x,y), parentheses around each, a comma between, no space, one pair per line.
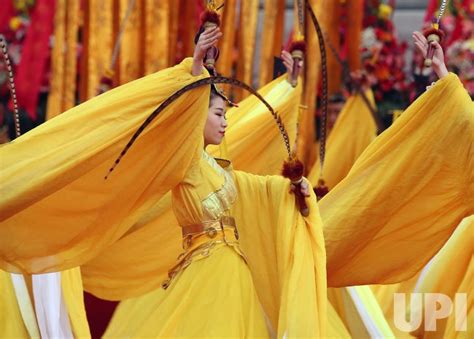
(200,239)
(209,228)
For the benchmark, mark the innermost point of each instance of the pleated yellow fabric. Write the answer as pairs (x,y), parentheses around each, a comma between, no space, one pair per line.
(335,326)
(130,62)
(266,46)
(98,45)
(173,30)
(11,320)
(278,34)
(53,176)
(254,144)
(55,102)
(226,45)
(178,312)
(359,312)
(449,273)
(385,296)
(64,58)
(413,184)
(73,295)
(73,13)
(306,133)
(156,43)
(285,254)
(464,287)
(246,43)
(353,131)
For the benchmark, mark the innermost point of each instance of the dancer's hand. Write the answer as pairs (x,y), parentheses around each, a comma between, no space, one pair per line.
(289,62)
(304,188)
(438,57)
(208,38)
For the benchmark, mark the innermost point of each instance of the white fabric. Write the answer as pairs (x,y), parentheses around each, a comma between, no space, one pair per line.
(51,311)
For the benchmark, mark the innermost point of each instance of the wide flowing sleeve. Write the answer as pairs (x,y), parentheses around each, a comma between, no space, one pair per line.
(285,253)
(353,131)
(449,273)
(406,193)
(57,211)
(253,141)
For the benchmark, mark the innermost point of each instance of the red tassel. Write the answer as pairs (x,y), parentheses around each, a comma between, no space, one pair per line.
(298,45)
(321,189)
(432,30)
(293,169)
(210,16)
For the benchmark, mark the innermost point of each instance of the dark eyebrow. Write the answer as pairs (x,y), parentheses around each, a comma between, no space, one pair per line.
(219,109)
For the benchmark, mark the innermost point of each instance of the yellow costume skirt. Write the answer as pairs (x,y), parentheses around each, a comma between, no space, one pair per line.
(215,296)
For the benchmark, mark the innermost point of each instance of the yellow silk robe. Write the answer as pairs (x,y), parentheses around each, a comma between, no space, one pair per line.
(405,194)
(78,202)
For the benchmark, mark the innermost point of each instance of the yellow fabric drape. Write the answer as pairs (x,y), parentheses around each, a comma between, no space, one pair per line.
(384,295)
(188,27)
(98,44)
(11,320)
(354,32)
(20,321)
(55,99)
(464,287)
(285,253)
(72,26)
(381,207)
(64,64)
(173,30)
(226,45)
(353,131)
(246,43)
(73,295)
(130,60)
(157,26)
(278,34)
(363,315)
(267,43)
(306,134)
(335,326)
(447,273)
(115,274)
(330,25)
(66,196)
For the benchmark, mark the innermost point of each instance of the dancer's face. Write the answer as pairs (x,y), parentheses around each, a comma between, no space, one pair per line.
(216,123)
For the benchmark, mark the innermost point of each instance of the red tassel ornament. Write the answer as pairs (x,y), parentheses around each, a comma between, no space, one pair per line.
(321,189)
(293,169)
(209,18)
